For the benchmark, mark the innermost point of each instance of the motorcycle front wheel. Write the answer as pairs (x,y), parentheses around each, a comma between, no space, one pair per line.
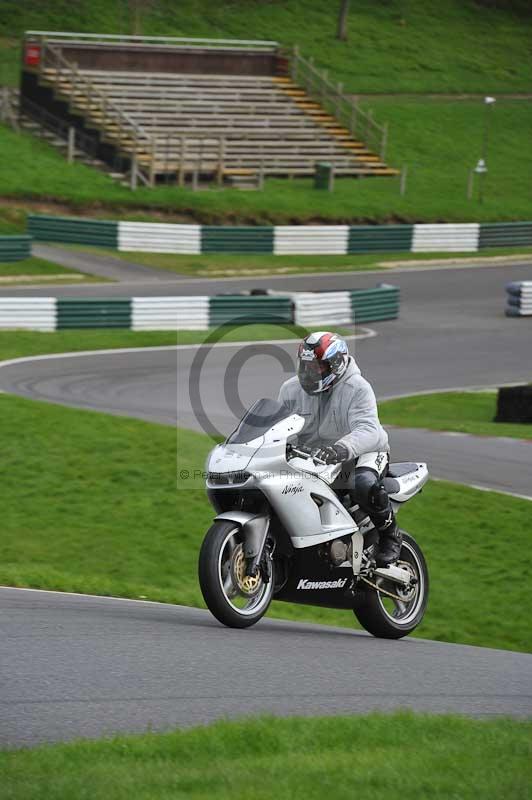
(391,611)
(234,598)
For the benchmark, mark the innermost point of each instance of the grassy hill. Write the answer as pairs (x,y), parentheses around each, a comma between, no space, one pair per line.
(440,141)
(393,45)
(111,481)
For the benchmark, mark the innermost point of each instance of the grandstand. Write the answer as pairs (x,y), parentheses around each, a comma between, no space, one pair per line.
(203,109)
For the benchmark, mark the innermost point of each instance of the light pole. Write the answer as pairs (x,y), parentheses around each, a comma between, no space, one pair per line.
(481,167)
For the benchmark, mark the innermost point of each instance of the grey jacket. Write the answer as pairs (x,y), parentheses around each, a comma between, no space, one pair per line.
(347,413)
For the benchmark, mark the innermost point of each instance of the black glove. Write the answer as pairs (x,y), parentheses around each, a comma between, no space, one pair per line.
(333,454)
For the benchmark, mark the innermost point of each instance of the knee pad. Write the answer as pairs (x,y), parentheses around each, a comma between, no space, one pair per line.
(379,497)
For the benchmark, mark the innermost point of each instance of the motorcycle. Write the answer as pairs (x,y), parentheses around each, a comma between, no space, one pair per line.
(281,532)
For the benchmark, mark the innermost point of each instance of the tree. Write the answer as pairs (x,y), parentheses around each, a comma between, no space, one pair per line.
(341,32)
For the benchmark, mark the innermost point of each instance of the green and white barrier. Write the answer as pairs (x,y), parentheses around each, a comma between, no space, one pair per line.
(314,309)
(93,313)
(158,237)
(445,238)
(311,239)
(170,313)
(14,248)
(308,309)
(242,309)
(375,305)
(28,313)
(75,230)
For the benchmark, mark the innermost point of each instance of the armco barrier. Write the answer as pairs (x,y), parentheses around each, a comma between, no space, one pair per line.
(100,233)
(93,313)
(282,239)
(506,234)
(226,239)
(380,238)
(445,238)
(373,305)
(15,248)
(28,313)
(519,300)
(169,313)
(311,239)
(308,309)
(322,308)
(158,237)
(226,309)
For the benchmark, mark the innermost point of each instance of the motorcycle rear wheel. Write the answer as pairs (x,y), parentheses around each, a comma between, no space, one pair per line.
(391,618)
(235,599)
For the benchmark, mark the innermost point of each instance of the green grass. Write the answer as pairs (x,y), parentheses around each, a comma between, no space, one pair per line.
(39,268)
(465,412)
(437,757)
(211,265)
(72,477)
(439,141)
(12,218)
(17,344)
(235,264)
(415,46)
(250,333)
(10,52)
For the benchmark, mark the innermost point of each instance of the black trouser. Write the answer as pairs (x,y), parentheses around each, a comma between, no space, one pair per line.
(364,486)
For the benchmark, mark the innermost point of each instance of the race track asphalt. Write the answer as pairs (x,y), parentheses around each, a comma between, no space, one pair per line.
(77,666)
(452,332)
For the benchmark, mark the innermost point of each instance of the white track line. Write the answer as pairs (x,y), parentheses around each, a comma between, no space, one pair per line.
(369,333)
(94,596)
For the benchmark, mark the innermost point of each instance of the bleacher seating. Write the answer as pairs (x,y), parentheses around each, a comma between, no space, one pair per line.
(227,125)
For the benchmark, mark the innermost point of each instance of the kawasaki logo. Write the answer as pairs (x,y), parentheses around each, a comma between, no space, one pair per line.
(304,583)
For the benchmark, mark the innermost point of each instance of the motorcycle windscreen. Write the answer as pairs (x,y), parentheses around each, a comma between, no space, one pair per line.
(262,416)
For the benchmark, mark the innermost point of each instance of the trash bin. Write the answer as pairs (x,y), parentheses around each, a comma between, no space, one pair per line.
(323,177)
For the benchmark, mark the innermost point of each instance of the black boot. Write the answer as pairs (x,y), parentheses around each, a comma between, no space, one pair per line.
(382,516)
(390,541)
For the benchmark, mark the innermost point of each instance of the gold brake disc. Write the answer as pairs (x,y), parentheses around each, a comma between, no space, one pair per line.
(247,584)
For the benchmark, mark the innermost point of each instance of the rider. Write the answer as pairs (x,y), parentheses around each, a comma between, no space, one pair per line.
(343,424)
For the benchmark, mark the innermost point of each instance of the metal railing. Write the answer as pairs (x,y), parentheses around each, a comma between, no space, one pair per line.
(125,134)
(359,123)
(73,139)
(61,37)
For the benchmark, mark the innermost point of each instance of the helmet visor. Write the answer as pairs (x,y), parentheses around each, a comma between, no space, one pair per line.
(311,374)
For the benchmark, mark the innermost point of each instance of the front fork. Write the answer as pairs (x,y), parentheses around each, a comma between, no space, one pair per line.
(255,529)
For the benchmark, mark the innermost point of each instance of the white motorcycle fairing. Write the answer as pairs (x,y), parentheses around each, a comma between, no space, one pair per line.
(297,490)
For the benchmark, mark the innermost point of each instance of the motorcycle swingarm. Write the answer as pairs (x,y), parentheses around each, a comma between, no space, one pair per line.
(394,574)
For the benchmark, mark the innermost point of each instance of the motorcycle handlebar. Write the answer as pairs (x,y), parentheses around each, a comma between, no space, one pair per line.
(304,451)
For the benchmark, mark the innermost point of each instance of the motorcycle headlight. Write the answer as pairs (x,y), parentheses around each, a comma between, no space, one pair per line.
(227,478)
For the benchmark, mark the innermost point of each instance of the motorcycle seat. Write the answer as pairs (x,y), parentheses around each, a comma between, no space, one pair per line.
(400,468)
